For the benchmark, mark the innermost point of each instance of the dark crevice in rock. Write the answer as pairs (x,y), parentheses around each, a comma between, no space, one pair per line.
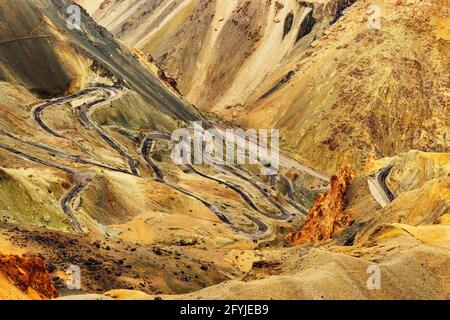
(306,26)
(288,22)
(342,5)
(282,82)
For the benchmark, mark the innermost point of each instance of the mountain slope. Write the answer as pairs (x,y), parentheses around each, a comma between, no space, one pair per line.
(86,174)
(359,94)
(87,179)
(218,50)
(343,93)
(26,31)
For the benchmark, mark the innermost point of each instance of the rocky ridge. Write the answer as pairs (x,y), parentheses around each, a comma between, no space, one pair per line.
(328,214)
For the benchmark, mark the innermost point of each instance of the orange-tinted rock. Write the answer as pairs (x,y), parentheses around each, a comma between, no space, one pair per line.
(29,275)
(328,215)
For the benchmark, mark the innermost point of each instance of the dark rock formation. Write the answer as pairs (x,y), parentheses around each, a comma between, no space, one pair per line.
(306,26)
(288,22)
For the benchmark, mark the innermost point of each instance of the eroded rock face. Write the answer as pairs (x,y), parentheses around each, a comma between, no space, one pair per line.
(191,40)
(328,214)
(169,80)
(29,275)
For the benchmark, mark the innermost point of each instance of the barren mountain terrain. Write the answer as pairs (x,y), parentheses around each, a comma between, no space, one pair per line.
(88,181)
(313,69)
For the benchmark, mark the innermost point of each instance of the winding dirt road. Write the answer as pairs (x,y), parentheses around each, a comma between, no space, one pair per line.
(84,113)
(54,152)
(67,200)
(81,179)
(147,146)
(284,160)
(39,109)
(283,215)
(264,191)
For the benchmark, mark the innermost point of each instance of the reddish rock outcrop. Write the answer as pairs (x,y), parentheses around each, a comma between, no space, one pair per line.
(328,215)
(29,275)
